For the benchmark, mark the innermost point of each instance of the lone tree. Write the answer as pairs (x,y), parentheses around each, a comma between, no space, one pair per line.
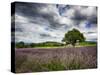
(71,37)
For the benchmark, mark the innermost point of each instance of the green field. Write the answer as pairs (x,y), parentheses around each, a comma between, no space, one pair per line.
(88,44)
(53,45)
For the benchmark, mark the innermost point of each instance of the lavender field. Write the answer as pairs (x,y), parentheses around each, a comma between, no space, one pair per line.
(55,59)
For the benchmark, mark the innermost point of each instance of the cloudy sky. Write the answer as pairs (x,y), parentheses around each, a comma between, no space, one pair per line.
(38,22)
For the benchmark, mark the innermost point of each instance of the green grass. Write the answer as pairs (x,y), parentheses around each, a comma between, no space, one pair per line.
(82,44)
(88,44)
(53,45)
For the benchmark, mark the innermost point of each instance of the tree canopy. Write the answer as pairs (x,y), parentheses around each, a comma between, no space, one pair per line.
(72,36)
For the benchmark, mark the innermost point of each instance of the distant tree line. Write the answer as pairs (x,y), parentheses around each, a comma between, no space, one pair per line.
(43,44)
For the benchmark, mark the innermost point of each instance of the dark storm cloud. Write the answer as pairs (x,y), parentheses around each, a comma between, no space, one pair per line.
(28,9)
(89,32)
(79,18)
(81,13)
(33,12)
(44,35)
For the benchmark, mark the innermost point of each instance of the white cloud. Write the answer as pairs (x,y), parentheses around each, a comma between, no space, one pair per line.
(69,13)
(89,11)
(91,37)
